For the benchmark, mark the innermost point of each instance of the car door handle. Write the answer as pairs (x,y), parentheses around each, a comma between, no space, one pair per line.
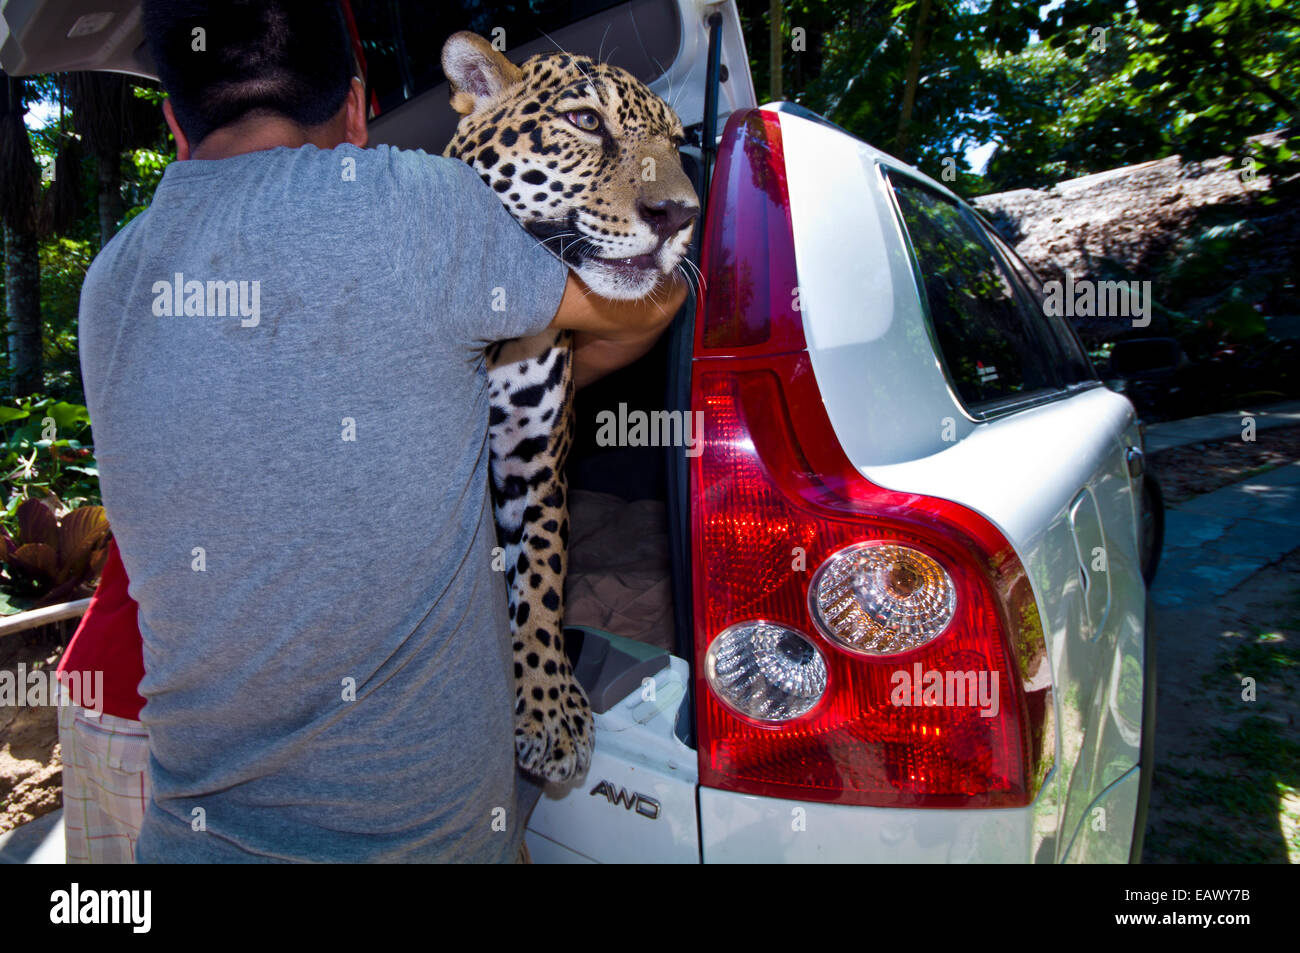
(1090,548)
(1136,461)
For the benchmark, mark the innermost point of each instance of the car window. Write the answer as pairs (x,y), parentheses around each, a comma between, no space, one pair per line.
(991,345)
(1072,363)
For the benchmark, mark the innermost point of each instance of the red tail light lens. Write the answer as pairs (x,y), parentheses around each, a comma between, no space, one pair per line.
(750,306)
(954,714)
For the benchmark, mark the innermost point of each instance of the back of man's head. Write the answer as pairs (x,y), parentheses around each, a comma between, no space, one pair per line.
(221,60)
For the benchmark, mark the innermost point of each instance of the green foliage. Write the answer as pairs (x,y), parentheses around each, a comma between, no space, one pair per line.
(1199,78)
(862,83)
(1059,117)
(1218,291)
(64,262)
(47,464)
(1197,265)
(1165,77)
(45,451)
(144,170)
(65,258)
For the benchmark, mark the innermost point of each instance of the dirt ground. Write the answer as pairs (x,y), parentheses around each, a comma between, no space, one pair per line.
(31,775)
(1198,468)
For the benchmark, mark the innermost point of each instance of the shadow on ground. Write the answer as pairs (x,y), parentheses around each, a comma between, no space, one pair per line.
(1227,781)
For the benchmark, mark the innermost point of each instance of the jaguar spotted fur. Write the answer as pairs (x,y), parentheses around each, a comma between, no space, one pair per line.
(585,157)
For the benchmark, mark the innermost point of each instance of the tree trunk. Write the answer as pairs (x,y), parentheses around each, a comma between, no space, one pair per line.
(23,311)
(777,43)
(111,208)
(912,79)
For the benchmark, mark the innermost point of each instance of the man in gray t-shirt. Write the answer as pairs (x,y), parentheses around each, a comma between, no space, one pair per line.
(283,361)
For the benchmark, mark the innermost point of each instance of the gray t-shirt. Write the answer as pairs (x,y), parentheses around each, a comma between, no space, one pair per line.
(295,466)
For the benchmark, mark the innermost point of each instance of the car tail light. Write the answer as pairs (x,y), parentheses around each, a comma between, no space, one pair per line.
(853,644)
(881,599)
(748,311)
(765,671)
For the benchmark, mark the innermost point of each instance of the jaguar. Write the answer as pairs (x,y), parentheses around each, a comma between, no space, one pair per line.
(585,157)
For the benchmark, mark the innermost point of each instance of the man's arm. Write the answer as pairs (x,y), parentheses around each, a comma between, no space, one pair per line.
(613,334)
(594,357)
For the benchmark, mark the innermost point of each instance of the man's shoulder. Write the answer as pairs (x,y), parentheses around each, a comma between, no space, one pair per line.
(413,164)
(117,250)
(410,182)
(438,189)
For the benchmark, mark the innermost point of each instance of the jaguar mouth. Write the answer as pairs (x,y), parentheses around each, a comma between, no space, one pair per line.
(562,238)
(566,241)
(616,278)
(630,267)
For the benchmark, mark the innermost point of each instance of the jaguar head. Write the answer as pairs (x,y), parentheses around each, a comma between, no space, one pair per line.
(582,154)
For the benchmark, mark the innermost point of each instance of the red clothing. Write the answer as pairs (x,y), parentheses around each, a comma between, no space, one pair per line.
(108,641)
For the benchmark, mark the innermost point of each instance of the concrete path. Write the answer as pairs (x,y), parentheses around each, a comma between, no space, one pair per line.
(39,842)
(1179,433)
(1215,541)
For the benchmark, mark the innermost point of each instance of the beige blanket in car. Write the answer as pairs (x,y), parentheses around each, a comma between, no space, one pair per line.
(618,567)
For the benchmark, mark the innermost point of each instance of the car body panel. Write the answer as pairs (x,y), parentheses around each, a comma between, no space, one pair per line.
(1108,825)
(743,828)
(682,86)
(855,281)
(636,804)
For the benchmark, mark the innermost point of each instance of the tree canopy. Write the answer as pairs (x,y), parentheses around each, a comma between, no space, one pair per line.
(1059,91)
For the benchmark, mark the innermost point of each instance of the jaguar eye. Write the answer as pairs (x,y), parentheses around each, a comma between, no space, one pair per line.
(584,119)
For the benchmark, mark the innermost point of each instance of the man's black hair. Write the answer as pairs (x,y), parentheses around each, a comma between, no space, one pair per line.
(291,57)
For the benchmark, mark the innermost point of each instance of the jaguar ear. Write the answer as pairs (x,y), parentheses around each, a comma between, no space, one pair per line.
(476,71)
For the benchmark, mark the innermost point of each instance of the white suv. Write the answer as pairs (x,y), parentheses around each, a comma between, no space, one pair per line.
(908,619)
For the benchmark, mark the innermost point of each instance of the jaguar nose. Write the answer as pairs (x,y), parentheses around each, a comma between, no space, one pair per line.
(667,217)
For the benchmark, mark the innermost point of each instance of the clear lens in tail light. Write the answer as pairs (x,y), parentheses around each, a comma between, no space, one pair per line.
(765,671)
(881,599)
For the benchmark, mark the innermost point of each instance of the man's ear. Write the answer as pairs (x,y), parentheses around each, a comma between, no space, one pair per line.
(182,141)
(477,72)
(355,130)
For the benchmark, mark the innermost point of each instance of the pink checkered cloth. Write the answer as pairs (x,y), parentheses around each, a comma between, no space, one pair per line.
(105,788)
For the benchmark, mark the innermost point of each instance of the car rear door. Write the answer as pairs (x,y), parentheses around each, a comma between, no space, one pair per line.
(1105,519)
